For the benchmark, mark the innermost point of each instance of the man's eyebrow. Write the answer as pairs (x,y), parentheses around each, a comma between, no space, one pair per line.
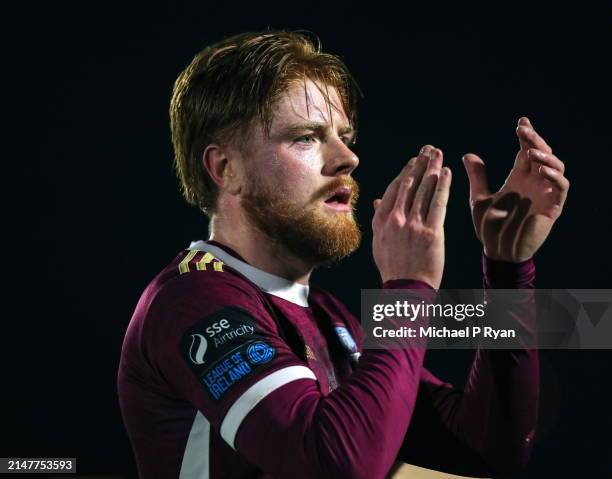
(316,126)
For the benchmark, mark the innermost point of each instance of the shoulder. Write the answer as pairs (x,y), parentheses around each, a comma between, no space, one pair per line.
(199,276)
(208,332)
(196,284)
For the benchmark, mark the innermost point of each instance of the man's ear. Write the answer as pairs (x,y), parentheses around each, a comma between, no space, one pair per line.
(221,167)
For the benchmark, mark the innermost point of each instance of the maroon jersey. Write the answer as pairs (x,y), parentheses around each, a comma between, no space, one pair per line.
(229,371)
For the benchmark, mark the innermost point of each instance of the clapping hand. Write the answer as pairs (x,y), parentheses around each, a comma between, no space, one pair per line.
(514,222)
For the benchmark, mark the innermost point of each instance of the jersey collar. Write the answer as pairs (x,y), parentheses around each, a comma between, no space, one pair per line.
(275,285)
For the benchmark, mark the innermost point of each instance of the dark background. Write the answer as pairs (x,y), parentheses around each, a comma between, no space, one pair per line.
(93,211)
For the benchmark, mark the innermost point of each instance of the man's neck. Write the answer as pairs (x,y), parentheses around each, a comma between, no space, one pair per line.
(259,250)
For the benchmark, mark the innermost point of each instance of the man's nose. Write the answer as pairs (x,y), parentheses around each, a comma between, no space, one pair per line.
(339,159)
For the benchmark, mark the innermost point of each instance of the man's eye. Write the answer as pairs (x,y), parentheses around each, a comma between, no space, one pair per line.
(305,140)
(348,141)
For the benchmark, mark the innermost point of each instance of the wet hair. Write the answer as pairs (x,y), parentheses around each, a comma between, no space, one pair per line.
(231,85)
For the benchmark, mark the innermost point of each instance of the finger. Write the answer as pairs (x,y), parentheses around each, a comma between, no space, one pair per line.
(403,193)
(426,150)
(521,162)
(529,138)
(425,190)
(525,121)
(554,176)
(389,199)
(376,203)
(547,159)
(559,182)
(475,169)
(437,208)
(414,178)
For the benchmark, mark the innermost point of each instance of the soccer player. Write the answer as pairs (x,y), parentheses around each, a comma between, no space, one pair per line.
(233,365)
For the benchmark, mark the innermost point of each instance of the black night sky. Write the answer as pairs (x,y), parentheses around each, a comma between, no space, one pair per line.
(94,211)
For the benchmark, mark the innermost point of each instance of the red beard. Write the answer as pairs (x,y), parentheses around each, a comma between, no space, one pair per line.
(308,232)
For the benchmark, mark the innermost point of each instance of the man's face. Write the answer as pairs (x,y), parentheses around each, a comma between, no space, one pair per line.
(298,190)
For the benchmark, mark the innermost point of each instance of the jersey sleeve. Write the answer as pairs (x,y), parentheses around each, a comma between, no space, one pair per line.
(264,401)
(212,339)
(487,428)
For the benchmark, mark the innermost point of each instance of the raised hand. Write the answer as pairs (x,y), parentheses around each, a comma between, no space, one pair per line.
(514,222)
(408,224)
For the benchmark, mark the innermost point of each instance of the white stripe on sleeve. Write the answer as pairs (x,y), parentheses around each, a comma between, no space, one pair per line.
(252,396)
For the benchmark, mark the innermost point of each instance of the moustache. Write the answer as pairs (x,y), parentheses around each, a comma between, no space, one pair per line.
(346,182)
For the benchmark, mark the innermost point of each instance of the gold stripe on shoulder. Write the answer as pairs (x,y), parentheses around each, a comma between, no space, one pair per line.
(218,265)
(183,266)
(207,258)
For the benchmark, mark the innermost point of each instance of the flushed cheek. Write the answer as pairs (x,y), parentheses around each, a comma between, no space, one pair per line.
(302,158)
(296,175)
(310,160)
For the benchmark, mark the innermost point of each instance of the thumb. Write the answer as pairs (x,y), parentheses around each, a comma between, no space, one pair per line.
(376,203)
(477,176)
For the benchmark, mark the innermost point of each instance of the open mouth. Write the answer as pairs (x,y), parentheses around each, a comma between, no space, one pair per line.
(340,199)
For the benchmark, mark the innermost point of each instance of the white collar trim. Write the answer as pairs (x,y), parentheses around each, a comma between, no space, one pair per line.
(275,285)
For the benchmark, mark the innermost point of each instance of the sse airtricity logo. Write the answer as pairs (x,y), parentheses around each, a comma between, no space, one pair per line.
(259,353)
(198,347)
